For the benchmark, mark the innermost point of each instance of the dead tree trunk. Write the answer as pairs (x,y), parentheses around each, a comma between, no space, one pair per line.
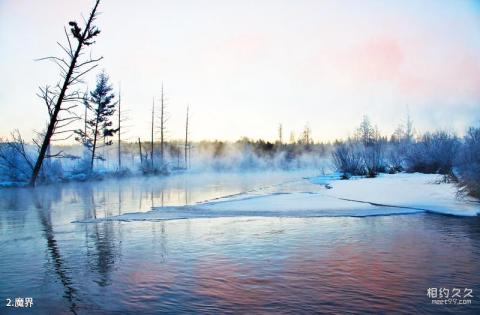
(119,130)
(186,141)
(280,134)
(151,141)
(85,118)
(71,76)
(94,144)
(178,156)
(162,129)
(140,151)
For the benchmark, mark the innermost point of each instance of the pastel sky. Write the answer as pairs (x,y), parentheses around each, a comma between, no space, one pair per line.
(246,66)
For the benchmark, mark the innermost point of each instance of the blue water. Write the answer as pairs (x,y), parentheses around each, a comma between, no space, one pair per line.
(382,264)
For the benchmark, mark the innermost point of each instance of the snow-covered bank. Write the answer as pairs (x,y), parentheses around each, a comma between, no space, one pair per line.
(308,197)
(420,191)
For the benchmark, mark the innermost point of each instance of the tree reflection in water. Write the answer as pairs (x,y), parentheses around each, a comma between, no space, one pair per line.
(43,204)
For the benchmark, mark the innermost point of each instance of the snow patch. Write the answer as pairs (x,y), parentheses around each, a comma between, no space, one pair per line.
(385,195)
(420,191)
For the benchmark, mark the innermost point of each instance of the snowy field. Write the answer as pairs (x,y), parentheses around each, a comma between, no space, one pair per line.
(326,196)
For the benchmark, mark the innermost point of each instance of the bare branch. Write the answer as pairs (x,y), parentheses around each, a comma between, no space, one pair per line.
(68,40)
(62,139)
(81,74)
(65,50)
(89,61)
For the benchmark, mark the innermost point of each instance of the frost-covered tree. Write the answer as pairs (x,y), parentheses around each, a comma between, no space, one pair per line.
(400,145)
(347,158)
(362,155)
(469,162)
(102,107)
(433,153)
(374,157)
(15,160)
(365,133)
(372,147)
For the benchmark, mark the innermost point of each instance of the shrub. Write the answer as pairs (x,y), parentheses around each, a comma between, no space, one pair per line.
(434,153)
(469,162)
(347,158)
(373,158)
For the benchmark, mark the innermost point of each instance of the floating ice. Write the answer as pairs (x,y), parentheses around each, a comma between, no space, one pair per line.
(385,195)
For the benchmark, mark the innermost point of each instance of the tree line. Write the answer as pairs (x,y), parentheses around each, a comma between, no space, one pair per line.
(368,153)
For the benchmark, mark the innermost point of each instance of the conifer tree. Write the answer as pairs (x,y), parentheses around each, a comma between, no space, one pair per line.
(101,107)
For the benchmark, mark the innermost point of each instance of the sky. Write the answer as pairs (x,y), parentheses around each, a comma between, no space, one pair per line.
(246,66)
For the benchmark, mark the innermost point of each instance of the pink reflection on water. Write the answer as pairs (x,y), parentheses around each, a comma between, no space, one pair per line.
(149,279)
(231,282)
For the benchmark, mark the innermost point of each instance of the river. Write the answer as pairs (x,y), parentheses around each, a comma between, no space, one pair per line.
(378,264)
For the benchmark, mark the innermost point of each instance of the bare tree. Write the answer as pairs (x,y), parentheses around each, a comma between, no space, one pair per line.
(14,157)
(292,137)
(280,134)
(434,153)
(186,140)
(59,99)
(119,128)
(409,131)
(365,132)
(306,138)
(122,123)
(374,156)
(347,158)
(151,139)
(163,120)
(140,151)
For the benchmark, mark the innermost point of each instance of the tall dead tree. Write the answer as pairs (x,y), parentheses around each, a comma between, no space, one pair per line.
(122,122)
(162,129)
(280,134)
(140,151)
(86,108)
(119,128)
(60,99)
(186,140)
(153,126)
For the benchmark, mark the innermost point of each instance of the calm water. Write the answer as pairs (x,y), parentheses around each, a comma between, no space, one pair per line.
(224,265)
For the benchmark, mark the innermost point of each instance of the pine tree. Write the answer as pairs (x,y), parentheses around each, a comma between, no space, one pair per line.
(101,105)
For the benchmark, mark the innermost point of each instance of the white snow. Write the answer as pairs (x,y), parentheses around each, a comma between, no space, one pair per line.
(308,197)
(421,191)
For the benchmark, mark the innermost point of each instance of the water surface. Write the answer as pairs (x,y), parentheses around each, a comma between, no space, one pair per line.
(246,264)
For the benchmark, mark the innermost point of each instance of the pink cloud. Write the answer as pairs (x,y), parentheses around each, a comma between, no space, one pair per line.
(423,70)
(378,59)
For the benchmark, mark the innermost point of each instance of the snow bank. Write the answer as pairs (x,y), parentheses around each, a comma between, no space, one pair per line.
(420,191)
(385,195)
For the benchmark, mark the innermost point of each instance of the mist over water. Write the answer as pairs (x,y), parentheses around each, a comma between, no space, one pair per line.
(244,155)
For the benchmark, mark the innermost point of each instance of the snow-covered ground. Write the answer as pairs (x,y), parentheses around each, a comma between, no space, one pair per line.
(328,196)
(420,191)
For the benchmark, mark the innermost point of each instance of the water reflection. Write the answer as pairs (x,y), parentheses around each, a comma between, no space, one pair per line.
(43,204)
(275,265)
